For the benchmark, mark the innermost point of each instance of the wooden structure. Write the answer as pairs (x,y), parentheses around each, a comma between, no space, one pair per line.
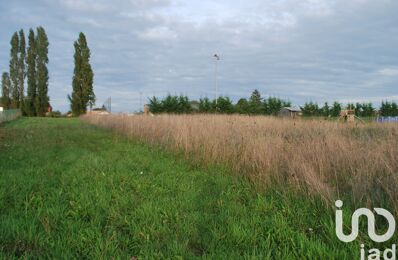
(348,115)
(289,112)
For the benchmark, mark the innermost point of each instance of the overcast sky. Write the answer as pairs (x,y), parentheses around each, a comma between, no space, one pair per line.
(302,50)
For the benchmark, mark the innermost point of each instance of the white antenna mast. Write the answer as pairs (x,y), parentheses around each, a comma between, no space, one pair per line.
(217,58)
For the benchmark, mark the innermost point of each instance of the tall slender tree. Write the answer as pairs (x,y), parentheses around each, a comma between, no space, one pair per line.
(31,75)
(255,104)
(42,99)
(5,90)
(82,83)
(21,69)
(14,69)
(325,110)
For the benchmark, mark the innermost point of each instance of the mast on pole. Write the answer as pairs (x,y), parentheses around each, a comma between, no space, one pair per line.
(217,58)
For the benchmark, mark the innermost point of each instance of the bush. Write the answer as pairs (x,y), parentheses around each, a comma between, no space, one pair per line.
(54,114)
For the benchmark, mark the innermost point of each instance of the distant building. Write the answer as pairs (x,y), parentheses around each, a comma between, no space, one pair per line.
(387,119)
(290,112)
(99,111)
(49,110)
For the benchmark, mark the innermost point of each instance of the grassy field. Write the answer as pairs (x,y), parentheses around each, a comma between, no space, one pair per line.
(354,162)
(71,190)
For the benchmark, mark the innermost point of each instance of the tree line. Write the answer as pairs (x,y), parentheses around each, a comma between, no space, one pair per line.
(389,108)
(365,109)
(256,105)
(30,63)
(313,109)
(27,62)
(183,105)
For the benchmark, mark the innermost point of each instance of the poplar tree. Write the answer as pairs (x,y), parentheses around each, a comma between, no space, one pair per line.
(5,90)
(21,69)
(31,75)
(82,83)
(42,99)
(255,104)
(14,69)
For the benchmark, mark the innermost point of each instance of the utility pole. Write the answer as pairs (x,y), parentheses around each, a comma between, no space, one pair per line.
(217,58)
(141,100)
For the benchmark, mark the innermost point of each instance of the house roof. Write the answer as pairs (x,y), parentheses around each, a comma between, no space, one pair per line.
(292,109)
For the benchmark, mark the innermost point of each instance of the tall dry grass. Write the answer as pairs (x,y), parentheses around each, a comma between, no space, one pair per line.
(331,159)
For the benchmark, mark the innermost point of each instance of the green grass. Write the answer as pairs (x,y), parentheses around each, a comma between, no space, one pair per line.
(71,190)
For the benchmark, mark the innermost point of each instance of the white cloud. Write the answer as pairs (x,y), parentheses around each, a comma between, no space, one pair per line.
(161,33)
(393,72)
(86,5)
